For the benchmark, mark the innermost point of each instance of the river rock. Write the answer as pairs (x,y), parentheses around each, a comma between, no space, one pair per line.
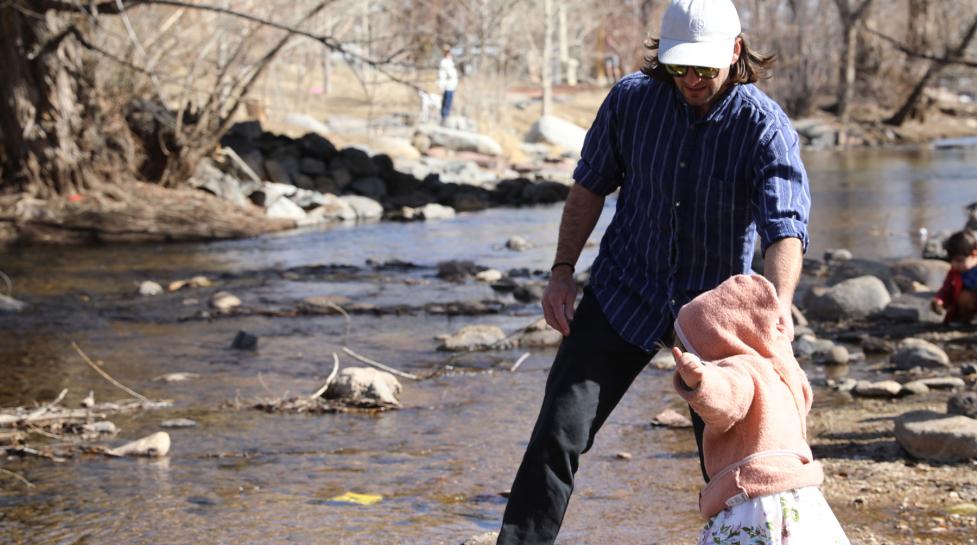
(333,208)
(283,207)
(877,345)
(471,337)
(937,437)
(461,140)
(101,427)
(838,254)
(670,418)
(808,346)
(517,243)
(539,334)
(488,538)
(178,423)
(930,272)
(435,211)
(914,352)
(911,308)
(489,276)
(224,301)
(529,293)
(195,282)
(944,383)
(841,271)
(963,403)
(149,288)
(156,445)
(365,386)
(968,368)
(885,388)
(364,207)
(11,305)
(559,132)
(854,298)
(176,377)
(244,341)
(209,178)
(915,387)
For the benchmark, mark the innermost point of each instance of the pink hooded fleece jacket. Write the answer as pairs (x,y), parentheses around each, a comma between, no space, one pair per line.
(754,398)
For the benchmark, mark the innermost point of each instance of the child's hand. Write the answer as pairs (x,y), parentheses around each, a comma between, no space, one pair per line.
(937,306)
(689,367)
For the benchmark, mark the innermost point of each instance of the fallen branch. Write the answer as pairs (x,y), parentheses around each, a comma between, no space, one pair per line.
(329,379)
(17,476)
(379,365)
(107,377)
(521,359)
(349,323)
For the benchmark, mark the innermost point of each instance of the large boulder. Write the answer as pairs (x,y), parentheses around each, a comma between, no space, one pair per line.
(842,270)
(911,308)
(937,437)
(461,140)
(365,386)
(911,353)
(930,272)
(854,298)
(559,132)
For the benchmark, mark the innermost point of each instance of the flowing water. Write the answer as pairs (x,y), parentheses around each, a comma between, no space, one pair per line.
(244,476)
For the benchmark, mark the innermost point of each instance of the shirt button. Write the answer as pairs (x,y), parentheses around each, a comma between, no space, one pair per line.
(681,164)
(673,301)
(677,203)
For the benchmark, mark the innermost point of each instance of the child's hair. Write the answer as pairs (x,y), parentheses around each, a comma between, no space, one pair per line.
(961,243)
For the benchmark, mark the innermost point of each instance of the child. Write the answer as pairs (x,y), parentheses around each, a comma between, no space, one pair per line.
(754,399)
(958,296)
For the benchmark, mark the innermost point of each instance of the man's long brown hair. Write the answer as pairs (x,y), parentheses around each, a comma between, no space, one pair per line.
(750,68)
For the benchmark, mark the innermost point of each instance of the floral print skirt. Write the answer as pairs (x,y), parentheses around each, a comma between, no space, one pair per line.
(796,517)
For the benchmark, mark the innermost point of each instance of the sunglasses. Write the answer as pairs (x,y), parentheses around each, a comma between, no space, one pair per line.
(679,71)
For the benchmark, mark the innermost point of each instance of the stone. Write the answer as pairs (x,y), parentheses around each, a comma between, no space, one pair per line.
(489,276)
(838,254)
(808,346)
(104,426)
(944,383)
(517,243)
(471,337)
(854,298)
(283,207)
(10,305)
(876,345)
(371,186)
(244,341)
(365,386)
(885,388)
(529,293)
(224,301)
(539,334)
(930,272)
(915,387)
(365,207)
(487,538)
(911,308)
(937,437)
(914,352)
(176,377)
(156,445)
(553,130)
(963,403)
(178,423)
(840,271)
(149,288)
(460,140)
(670,418)
(435,211)
(333,208)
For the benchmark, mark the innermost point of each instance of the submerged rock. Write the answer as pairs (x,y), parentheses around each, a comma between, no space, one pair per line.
(365,386)
(471,337)
(156,445)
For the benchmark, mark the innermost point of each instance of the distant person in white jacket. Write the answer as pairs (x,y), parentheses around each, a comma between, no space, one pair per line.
(447,82)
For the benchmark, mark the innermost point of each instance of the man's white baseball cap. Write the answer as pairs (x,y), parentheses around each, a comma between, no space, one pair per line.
(699,33)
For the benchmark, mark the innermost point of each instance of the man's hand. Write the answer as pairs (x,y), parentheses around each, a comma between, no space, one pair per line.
(937,306)
(787,321)
(558,299)
(689,367)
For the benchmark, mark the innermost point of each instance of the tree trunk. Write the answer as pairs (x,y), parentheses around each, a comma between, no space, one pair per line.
(846,77)
(58,134)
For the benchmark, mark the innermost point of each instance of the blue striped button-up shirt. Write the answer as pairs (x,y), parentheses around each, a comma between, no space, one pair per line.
(693,195)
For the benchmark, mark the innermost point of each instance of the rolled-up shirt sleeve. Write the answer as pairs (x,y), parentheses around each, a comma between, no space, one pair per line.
(600,168)
(782,201)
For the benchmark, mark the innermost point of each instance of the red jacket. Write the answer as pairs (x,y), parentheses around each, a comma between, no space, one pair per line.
(949,293)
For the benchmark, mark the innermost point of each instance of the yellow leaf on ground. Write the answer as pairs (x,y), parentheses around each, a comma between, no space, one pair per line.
(361,499)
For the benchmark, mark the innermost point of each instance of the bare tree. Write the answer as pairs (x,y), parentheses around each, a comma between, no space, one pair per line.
(850,16)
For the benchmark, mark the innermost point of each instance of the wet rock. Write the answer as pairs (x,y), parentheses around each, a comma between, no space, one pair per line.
(842,271)
(489,276)
(178,423)
(324,304)
(104,426)
(364,207)
(528,293)
(224,301)
(11,305)
(176,377)
(244,341)
(195,282)
(488,538)
(333,209)
(670,418)
(539,334)
(913,352)
(844,385)
(930,272)
(838,254)
(457,270)
(517,243)
(911,308)
(968,368)
(838,355)
(937,437)
(885,388)
(149,288)
(944,383)
(156,445)
(915,387)
(854,298)
(963,403)
(808,346)
(471,337)
(365,386)
(877,345)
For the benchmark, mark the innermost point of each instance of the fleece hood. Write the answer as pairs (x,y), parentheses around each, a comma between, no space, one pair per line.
(741,317)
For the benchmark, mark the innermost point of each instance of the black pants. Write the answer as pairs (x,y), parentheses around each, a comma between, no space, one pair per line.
(593,368)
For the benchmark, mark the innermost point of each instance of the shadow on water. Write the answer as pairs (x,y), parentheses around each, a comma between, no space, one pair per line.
(440,463)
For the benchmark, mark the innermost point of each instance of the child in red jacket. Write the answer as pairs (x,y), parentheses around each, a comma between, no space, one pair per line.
(740,376)
(958,296)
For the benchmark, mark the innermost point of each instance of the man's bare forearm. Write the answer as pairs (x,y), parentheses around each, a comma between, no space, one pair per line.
(782,267)
(580,215)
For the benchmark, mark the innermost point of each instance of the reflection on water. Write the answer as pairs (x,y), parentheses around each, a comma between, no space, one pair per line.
(249,477)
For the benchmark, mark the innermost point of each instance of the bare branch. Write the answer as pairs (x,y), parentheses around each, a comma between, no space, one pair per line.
(921,54)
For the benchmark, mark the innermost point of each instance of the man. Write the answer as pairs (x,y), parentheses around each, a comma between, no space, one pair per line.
(447,82)
(704,162)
